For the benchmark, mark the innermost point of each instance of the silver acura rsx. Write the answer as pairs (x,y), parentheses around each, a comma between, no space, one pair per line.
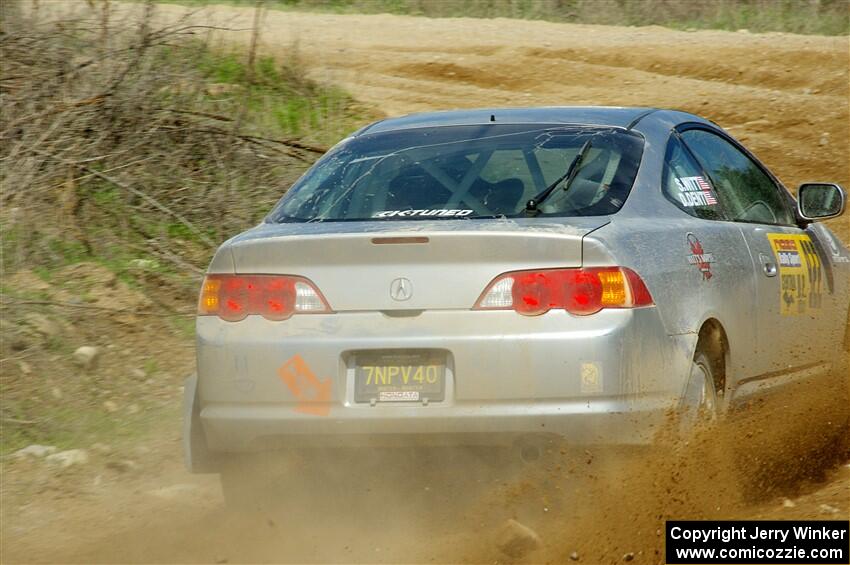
(495,276)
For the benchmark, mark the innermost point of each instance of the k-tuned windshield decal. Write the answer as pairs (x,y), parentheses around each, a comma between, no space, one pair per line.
(408,213)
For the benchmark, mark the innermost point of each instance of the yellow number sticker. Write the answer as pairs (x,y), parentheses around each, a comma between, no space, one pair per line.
(800,273)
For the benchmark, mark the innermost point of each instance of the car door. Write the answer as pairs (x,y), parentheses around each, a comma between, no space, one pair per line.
(719,278)
(788,269)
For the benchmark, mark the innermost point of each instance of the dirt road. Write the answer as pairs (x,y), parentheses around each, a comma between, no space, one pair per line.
(785,96)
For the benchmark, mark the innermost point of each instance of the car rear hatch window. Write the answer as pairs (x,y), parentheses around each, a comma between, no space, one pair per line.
(468,172)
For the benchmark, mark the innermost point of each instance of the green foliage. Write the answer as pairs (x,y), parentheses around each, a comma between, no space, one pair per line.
(69,427)
(180,231)
(279,100)
(67,252)
(192,148)
(55,344)
(43,273)
(151,366)
(222,68)
(823,17)
(185,325)
(105,195)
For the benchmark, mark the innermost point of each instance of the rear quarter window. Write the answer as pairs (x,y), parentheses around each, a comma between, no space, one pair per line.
(687,186)
(748,194)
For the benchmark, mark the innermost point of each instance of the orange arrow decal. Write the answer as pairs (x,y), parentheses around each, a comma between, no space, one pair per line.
(313,395)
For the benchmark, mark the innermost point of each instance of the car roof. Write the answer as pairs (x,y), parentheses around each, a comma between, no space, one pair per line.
(587,115)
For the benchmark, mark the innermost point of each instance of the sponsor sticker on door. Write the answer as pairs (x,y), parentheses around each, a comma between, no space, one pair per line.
(800,273)
(699,257)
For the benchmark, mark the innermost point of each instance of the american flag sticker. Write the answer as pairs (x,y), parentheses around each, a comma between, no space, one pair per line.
(695,191)
(706,188)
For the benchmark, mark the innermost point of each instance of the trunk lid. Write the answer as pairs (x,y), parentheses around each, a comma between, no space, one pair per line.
(445,264)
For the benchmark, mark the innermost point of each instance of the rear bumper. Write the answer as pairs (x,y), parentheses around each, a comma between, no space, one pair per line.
(255,427)
(603,379)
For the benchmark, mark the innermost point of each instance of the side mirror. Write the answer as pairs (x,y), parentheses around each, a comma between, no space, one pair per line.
(820,201)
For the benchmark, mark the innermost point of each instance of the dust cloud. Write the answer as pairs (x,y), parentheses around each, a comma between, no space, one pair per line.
(449,504)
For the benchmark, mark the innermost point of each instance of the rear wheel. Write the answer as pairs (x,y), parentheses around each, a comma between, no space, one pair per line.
(844,362)
(842,383)
(706,454)
(699,405)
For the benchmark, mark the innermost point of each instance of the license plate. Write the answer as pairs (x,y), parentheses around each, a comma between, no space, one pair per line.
(399,376)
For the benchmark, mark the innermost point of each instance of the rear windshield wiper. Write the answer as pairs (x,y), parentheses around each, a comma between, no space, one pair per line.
(532,206)
(289,220)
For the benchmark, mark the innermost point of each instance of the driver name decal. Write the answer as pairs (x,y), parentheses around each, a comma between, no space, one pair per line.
(695,191)
(800,273)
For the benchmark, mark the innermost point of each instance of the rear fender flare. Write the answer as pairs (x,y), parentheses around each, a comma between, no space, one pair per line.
(196,455)
(711,334)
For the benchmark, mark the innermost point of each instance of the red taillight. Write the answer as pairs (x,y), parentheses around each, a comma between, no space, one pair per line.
(274,297)
(578,291)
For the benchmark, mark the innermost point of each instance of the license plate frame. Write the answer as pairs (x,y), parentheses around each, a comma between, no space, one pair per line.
(393,376)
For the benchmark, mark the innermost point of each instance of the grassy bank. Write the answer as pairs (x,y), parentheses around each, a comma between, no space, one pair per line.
(122,146)
(821,17)
(127,154)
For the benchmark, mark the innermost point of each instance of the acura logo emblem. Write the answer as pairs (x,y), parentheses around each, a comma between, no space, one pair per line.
(401,289)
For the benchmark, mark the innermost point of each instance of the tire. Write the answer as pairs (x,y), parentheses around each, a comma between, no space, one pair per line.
(842,383)
(707,451)
(844,363)
(699,407)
